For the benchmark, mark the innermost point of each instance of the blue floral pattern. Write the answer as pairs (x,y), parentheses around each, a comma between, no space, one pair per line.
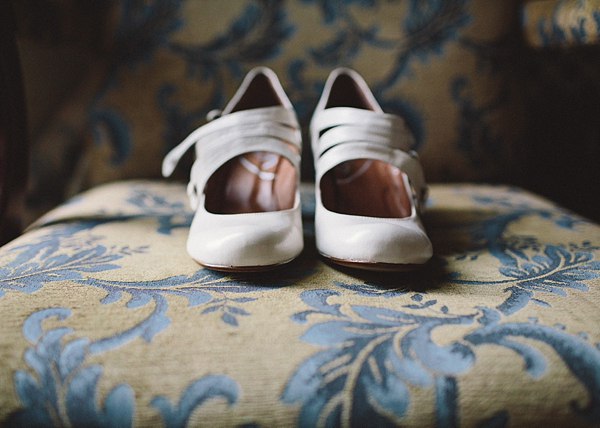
(378,353)
(216,293)
(370,342)
(40,262)
(88,342)
(171,215)
(44,261)
(382,353)
(261,32)
(370,366)
(142,28)
(64,389)
(568,23)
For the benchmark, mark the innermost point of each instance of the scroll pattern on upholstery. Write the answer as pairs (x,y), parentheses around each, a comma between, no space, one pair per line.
(370,341)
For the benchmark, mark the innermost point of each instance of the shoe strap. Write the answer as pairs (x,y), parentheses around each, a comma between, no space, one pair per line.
(211,160)
(338,125)
(270,129)
(406,162)
(277,121)
(343,134)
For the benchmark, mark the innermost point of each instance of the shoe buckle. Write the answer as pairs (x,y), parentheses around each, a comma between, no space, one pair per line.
(214,114)
(192,193)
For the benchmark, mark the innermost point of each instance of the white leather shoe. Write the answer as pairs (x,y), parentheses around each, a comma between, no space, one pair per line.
(370,187)
(244,184)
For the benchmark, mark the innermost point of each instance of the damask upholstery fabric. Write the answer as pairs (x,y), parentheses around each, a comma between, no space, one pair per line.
(107,322)
(551,23)
(441,65)
(483,104)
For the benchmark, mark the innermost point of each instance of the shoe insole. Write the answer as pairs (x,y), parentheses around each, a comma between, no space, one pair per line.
(366,187)
(250,183)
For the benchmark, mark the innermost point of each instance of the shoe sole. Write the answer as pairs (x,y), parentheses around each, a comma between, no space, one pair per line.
(373,266)
(244,269)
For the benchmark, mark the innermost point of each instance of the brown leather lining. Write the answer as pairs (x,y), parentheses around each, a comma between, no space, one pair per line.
(234,189)
(366,187)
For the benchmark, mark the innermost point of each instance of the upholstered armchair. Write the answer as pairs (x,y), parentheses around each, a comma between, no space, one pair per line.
(108,322)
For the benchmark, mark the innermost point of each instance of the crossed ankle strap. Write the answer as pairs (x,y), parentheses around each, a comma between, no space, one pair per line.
(269,129)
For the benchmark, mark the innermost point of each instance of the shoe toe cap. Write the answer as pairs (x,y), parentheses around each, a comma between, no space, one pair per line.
(393,242)
(245,244)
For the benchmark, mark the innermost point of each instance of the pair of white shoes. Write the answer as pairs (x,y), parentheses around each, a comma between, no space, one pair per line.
(244,184)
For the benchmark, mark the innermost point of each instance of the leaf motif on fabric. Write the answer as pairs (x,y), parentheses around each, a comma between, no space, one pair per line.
(366,366)
(376,356)
(62,389)
(196,394)
(47,260)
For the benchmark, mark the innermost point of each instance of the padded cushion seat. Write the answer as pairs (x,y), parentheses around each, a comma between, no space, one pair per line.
(106,319)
